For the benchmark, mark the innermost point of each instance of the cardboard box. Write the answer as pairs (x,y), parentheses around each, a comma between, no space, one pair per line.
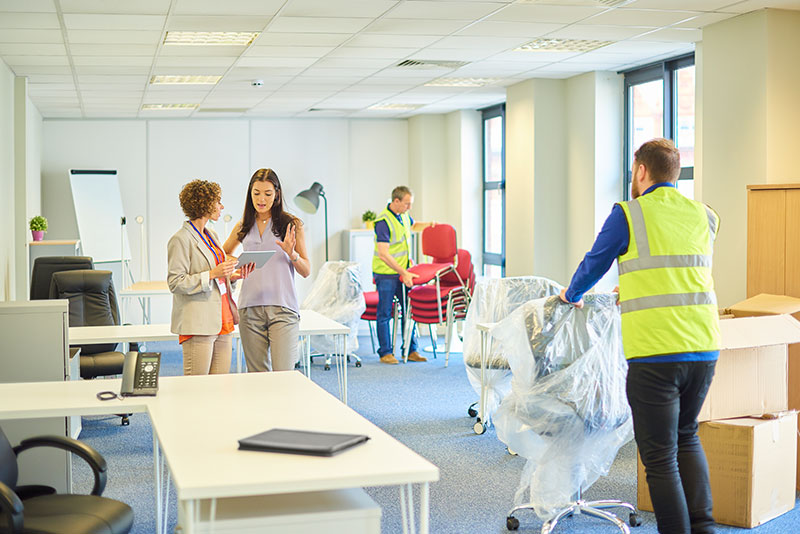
(751,374)
(766,304)
(751,464)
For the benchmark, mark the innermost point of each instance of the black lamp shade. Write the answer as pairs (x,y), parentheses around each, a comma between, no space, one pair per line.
(308,200)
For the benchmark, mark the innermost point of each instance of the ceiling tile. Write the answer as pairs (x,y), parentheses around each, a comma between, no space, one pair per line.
(388,41)
(358,63)
(536,57)
(443,10)
(752,5)
(30,70)
(216,23)
(546,13)
(681,35)
(640,17)
(317,25)
(113,70)
(205,70)
(35,21)
(416,27)
(31,36)
(338,8)
(453,54)
(489,44)
(704,20)
(193,62)
(688,5)
(74,21)
(140,7)
(27,6)
(339,72)
(52,61)
(46,78)
(297,63)
(288,51)
(527,30)
(640,48)
(358,52)
(300,39)
(135,61)
(27,49)
(112,50)
(228,7)
(115,37)
(598,33)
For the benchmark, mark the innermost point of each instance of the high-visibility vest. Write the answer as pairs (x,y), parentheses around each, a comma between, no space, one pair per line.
(666,292)
(399,242)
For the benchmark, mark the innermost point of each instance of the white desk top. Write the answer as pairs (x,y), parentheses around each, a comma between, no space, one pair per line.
(150,288)
(198,420)
(311,323)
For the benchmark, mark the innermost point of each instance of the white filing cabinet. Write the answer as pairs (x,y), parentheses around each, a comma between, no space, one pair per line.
(349,511)
(35,349)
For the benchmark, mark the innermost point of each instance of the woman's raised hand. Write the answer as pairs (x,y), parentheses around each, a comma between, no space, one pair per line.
(289,241)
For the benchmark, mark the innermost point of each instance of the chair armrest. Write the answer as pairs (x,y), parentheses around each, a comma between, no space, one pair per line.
(89,455)
(12,507)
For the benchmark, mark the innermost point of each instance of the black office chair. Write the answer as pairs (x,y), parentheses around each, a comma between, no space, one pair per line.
(39,510)
(44,267)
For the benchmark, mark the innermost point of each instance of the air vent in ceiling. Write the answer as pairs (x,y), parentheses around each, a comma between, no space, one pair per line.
(430,64)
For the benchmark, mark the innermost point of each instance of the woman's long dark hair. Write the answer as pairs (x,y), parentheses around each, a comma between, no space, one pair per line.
(280,219)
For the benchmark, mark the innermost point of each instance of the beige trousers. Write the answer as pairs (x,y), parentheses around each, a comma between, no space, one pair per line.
(270,338)
(204,355)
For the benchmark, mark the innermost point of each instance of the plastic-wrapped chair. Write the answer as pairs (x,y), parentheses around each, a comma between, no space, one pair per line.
(493,299)
(567,413)
(338,295)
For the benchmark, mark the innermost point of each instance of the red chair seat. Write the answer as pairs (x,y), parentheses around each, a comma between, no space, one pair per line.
(428,293)
(428,271)
(371,298)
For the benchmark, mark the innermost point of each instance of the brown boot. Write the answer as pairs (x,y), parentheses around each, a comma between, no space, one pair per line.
(389,358)
(415,357)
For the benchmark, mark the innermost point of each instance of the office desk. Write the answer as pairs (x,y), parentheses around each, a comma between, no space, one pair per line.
(143,291)
(197,421)
(311,323)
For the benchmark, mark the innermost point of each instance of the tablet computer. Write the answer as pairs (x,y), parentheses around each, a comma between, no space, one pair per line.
(301,442)
(259,257)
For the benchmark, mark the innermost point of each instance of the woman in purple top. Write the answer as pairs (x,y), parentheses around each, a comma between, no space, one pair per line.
(269,317)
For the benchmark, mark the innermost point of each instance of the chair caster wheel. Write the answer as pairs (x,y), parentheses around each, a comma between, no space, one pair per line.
(472,412)
(479,427)
(327,367)
(512,523)
(635,520)
(511,451)
(125,421)
(358,364)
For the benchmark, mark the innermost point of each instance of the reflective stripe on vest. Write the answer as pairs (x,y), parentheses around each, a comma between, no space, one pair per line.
(399,246)
(667,295)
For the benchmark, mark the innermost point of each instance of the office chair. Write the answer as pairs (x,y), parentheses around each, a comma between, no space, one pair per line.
(38,509)
(44,267)
(567,412)
(92,302)
(337,294)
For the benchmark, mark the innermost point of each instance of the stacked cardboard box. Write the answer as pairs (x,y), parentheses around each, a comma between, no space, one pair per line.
(749,457)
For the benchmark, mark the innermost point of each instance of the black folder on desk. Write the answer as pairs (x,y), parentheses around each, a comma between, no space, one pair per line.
(301,442)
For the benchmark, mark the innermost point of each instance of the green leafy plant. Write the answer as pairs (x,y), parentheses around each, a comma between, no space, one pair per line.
(368,215)
(38,224)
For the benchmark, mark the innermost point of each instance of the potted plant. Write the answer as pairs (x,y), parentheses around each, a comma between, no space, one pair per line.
(369,219)
(38,226)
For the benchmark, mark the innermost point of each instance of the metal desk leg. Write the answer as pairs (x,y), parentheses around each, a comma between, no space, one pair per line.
(238,354)
(156,463)
(424,508)
(480,425)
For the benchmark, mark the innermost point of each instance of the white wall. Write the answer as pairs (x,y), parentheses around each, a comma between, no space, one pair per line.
(464,131)
(155,158)
(6,182)
(34,161)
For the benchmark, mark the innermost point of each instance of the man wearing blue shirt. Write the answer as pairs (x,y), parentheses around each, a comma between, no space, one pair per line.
(390,262)
(663,242)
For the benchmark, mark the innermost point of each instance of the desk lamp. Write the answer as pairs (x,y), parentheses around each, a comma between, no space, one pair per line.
(308,201)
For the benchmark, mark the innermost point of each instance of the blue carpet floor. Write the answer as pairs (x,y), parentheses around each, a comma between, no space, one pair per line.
(424,405)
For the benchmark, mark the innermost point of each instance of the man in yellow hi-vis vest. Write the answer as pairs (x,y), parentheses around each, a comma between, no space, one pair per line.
(393,228)
(663,243)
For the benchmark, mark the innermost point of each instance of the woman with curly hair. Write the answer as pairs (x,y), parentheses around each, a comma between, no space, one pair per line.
(199,276)
(268,310)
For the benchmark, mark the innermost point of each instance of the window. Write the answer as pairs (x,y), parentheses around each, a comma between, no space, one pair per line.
(494,191)
(659,102)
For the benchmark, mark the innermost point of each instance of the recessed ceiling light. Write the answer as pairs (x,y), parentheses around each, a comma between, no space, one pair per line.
(561,45)
(210,38)
(395,107)
(166,79)
(461,82)
(169,106)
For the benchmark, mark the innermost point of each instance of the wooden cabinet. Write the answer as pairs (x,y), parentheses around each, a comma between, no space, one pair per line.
(773,239)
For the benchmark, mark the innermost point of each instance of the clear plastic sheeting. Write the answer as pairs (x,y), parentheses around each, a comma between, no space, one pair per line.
(338,295)
(493,300)
(567,412)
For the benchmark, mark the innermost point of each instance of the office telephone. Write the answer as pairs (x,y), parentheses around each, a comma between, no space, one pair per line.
(140,373)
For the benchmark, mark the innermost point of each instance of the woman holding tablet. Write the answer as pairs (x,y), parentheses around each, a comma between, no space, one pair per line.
(268,311)
(199,274)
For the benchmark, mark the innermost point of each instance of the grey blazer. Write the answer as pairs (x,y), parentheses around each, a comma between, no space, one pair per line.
(196,301)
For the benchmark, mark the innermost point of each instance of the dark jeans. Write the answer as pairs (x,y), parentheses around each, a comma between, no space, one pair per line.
(665,399)
(388,288)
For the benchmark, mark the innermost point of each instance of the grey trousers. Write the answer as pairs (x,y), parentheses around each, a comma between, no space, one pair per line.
(270,338)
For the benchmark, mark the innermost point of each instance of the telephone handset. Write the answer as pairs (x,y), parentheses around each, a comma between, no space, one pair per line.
(140,374)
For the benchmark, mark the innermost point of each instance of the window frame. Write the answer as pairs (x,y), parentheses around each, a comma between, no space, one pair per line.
(662,70)
(493,258)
